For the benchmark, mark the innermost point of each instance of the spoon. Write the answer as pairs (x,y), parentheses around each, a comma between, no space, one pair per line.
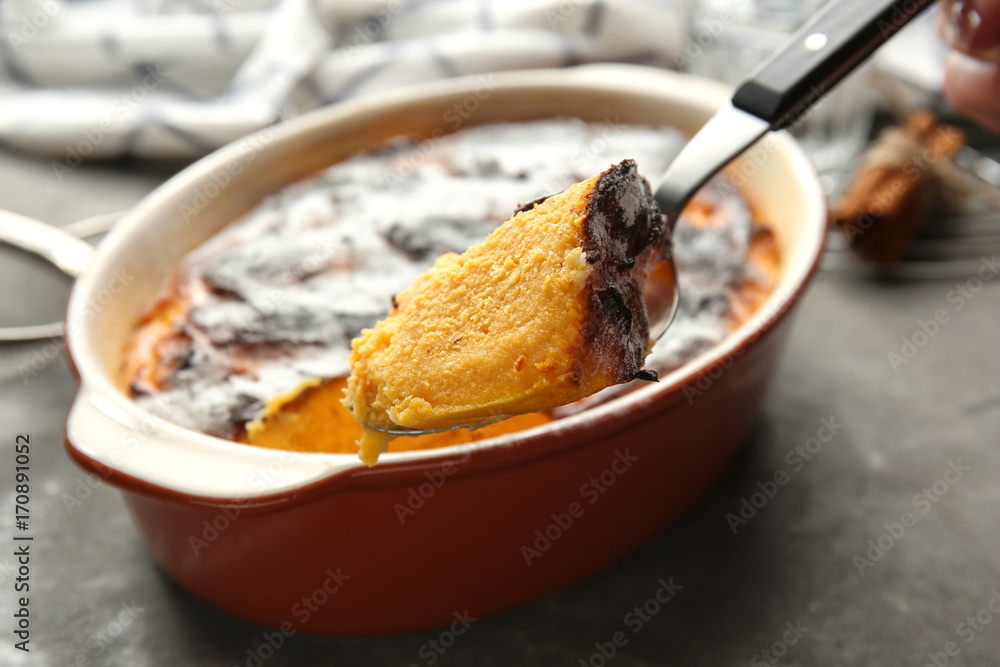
(837,39)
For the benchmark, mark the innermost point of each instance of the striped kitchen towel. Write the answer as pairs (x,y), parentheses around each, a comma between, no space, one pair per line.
(178,78)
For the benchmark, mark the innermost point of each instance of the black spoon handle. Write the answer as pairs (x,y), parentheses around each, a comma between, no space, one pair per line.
(832,43)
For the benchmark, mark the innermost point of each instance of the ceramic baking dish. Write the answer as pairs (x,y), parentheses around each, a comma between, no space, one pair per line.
(330,546)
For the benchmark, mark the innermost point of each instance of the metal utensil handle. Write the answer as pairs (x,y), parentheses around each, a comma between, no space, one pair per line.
(829,46)
(64,250)
(68,253)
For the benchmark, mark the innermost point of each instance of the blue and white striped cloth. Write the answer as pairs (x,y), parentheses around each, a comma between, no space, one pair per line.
(179,78)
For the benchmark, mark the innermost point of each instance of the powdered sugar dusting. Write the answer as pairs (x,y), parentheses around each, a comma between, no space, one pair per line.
(709,262)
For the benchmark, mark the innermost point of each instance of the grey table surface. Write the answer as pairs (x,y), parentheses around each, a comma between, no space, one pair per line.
(96,597)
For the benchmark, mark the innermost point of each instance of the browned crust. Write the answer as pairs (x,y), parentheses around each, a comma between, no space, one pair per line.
(623,239)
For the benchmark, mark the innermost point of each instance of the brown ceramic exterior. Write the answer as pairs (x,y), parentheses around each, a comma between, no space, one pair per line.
(461,548)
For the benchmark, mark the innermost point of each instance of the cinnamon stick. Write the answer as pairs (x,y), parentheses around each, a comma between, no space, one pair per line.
(899,181)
